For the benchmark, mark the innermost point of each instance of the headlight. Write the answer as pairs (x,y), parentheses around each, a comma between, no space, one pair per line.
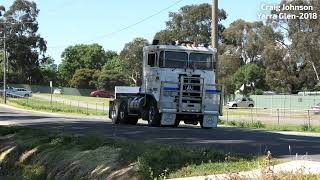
(169,93)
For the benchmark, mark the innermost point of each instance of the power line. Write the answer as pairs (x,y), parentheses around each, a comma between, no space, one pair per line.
(127,27)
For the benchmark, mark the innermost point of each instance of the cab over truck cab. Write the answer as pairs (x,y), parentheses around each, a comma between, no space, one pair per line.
(178,85)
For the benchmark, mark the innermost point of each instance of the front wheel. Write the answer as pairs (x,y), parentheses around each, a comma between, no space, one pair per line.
(251,105)
(154,116)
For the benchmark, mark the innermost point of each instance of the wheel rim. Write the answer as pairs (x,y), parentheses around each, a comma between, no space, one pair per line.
(151,113)
(121,112)
(113,112)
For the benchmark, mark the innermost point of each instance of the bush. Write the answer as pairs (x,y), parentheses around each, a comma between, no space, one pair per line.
(258,92)
(258,124)
(306,127)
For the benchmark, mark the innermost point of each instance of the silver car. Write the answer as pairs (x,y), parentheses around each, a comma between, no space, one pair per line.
(19,92)
(241,102)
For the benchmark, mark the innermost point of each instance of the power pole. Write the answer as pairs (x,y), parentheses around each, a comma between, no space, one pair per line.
(4,68)
(214,24)
(214,34)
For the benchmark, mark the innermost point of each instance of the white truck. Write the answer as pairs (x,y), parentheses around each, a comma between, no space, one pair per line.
(178,85)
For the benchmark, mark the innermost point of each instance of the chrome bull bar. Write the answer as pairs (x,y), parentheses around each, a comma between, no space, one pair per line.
(180,93)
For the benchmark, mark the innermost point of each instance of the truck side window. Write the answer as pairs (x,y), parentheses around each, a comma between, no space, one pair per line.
(152,59)
(161,59)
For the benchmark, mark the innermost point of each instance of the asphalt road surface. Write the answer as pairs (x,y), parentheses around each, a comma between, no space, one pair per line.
(228,139)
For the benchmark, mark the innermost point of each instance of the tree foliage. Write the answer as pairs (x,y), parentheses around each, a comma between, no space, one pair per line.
(228,65)
(80,57)
(25,47)
(250,76)
(192,23)
(110,78)
(300,49)
(83,78)
(132,56)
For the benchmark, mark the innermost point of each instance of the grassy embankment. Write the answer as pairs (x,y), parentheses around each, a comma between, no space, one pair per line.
(45,105)
(36,154)
(85,99)
(272,127)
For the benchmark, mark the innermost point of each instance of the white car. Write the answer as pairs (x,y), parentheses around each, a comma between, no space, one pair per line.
(19,92)
(57,91)
(316,109)
(242,102)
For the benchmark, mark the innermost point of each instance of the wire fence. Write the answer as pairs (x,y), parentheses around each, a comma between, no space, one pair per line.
(282,101)
(273,116)
(61,105)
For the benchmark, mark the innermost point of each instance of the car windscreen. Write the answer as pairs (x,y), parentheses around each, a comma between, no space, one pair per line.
(175,59)
(201,61)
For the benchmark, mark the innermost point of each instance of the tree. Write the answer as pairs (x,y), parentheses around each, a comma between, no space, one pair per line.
(132,56)
(192,22)
(24,44)
(228,65)
(80,57)
(250,76)
(115,64)
(48,70)
(281,69)
(304,38)
(83,78)
(110,55)
(108,79)
(243,39)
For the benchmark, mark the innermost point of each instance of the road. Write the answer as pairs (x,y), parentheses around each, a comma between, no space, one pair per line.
(229,139)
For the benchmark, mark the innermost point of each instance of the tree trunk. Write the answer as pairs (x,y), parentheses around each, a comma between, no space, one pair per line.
(133,79)
(315,70)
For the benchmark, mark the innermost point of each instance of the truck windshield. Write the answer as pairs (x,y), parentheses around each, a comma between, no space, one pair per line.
(175,59)
(201,61)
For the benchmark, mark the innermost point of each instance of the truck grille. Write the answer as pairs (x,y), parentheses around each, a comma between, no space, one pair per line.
(190,97)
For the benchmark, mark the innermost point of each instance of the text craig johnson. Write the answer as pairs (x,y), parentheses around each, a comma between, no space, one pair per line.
(285,7)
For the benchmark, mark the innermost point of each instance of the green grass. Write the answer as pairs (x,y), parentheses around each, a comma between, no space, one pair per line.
(41,154)
(85,99)
(215,168)
(273,127)
(46,106)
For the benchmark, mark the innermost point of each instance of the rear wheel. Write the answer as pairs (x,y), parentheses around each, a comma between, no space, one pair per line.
(119,112)
(234,105)
(26,95)
(154,116)
(251,105)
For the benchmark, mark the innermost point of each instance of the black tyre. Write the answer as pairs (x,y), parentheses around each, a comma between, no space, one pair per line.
(251,105)
(154,117)
(234,105)
(26,95)
(119,112)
